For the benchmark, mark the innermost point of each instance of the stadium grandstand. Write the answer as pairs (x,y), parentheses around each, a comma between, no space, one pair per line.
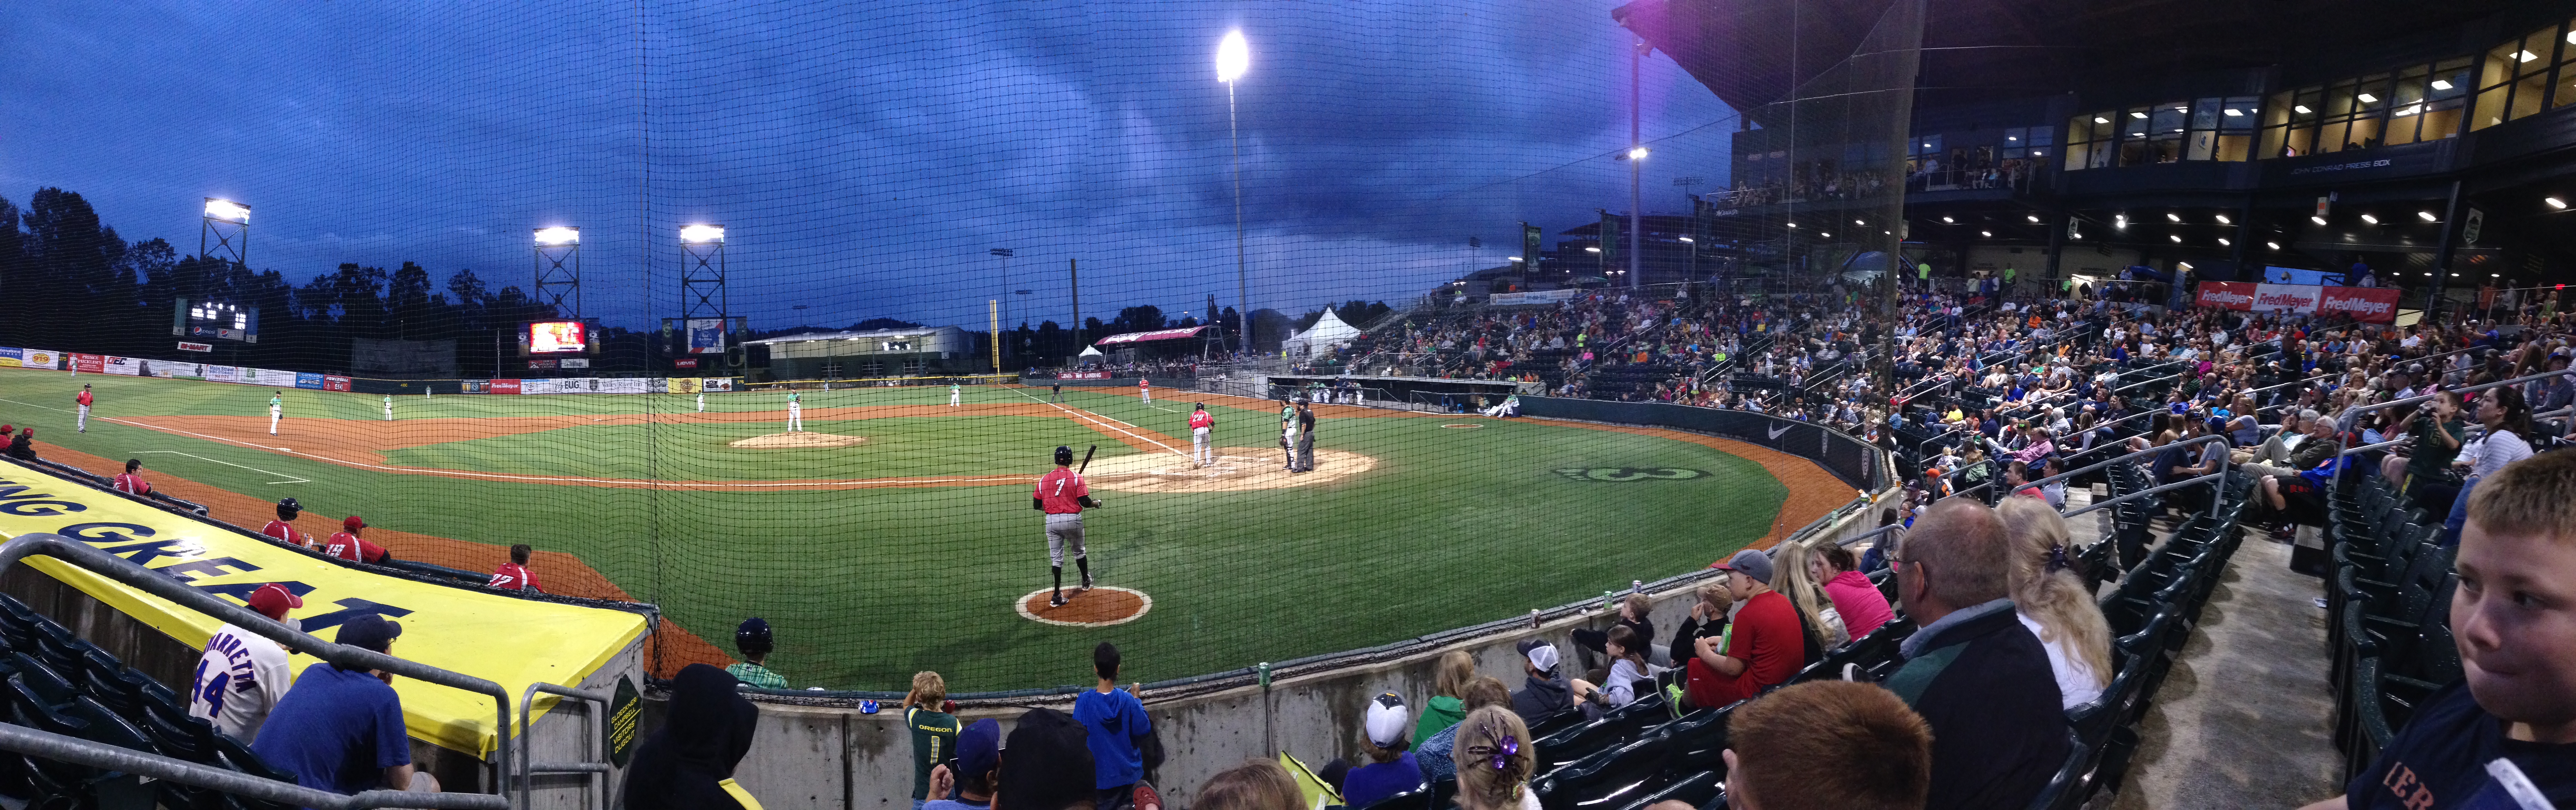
(1658,405)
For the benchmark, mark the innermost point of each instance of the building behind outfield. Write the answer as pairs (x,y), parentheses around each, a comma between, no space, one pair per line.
(2220,140)
(866,355)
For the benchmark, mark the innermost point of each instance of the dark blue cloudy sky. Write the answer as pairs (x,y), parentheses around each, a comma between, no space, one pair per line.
(864,156)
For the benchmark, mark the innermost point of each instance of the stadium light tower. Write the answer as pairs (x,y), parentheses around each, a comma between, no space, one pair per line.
(702,282)
(1233,57)
(225,224)
(558,262)
(1636,166)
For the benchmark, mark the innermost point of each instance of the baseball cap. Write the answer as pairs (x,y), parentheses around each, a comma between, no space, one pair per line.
(370,631)
(1752,563)
(353,523)
(1053,769)
(979,748)
(1540,653)
(1388,719)
(273,600)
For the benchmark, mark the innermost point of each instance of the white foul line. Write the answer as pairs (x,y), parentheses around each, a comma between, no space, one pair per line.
(289,478)
(1096,419)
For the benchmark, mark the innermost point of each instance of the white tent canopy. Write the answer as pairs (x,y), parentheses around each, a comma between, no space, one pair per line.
(1089,351)
(1328,330)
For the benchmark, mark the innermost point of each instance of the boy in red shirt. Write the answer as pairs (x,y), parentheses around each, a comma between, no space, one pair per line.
(1763,646)
(129,482)
(346,545)
(283,528)
(514,575)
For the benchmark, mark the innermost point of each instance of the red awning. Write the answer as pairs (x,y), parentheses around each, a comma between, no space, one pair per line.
(1159,334)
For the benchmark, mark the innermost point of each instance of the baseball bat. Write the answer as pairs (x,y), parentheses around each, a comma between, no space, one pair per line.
(1086,459)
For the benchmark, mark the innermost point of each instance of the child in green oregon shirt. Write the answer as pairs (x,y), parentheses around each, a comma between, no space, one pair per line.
(934,733)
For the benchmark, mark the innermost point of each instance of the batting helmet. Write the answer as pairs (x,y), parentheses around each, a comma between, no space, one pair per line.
(1063,455)
(752,638)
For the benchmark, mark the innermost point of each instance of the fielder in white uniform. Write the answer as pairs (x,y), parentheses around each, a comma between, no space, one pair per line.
(795,413)
(702,402)
(389,407)
(276,408)
(954,392)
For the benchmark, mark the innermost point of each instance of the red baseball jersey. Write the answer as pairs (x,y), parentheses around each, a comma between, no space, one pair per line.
(83,398)
(350,547)
(513,577)
(281,530)
(1202,419)
(1144,383)
(1062,491)
(132,484)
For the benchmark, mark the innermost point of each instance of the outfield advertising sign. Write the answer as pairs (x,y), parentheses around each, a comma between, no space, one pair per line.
(10,356)
(502,387)
(308,380)
(121,366)
(91,363)
(539,386)
(623,385)
(717,384)
(687,385)
(227,374)
(334,382)
(40,358)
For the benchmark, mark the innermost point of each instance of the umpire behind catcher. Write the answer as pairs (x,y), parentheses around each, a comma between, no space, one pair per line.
(1305,436)
(1062,496)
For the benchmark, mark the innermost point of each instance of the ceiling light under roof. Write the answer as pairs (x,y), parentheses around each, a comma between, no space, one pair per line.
(2441,84)
(2137,115)
(2367,98)
(2234,113)
(2301,108)
(2370,219)
(2320,221)
(2272,245)
(2171,217)
(2555,202)
(2101,120)
(2223,220)
(2426,216)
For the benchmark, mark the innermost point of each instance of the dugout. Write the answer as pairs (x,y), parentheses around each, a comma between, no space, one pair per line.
(1437,393)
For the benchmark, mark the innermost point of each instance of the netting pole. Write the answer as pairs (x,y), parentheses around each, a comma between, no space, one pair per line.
(996,306)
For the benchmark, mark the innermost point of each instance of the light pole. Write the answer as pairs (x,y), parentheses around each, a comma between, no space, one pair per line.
(702,287)
(1233,57)
(1005,255)
(558,260)
(1636,167)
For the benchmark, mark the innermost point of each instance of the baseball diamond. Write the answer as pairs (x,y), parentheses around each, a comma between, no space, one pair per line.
(893,515)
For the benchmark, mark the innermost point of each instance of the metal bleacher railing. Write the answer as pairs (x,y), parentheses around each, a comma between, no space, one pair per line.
(42,744)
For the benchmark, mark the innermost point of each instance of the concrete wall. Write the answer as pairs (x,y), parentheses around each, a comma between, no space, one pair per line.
(808,756)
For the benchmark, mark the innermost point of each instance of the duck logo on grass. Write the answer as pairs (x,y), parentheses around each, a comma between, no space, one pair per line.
(1626,474)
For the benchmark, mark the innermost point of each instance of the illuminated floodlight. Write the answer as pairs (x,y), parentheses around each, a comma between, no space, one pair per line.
(2137,115)
(2370,219)
(2172,217)
(1233,57)
(1949,220)
(2552,200)
(2427,216)
(1987,234)
(2222,242)
(2235,113)
(1591,250)
(2441,84)
(1637,153)
(2101,120)
(702,234)
(2272,245)
(227,211)
(1687,240)
(1859,222)
(1824,234)
(559,235)
(2302,109)
(2034,218)
(2556,203)
(2320,221)
(2223,220)
(2367,98)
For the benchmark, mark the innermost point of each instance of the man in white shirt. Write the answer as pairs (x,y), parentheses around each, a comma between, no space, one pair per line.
(242,675)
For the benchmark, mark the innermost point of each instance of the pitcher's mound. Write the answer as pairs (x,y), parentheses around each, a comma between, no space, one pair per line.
(1099,607)
(1236,469)
(797,440)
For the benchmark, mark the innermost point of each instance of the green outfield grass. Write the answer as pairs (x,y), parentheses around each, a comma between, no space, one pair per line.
(1452,527)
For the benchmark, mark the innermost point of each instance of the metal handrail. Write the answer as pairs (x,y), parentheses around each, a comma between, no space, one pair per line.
(48,745)
(127,573)
(2343,437)
(527,763)
(2214,502)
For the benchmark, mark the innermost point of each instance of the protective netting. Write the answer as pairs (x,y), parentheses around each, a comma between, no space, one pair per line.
(891,182)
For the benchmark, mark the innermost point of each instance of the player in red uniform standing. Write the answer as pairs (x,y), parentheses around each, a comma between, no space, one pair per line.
(1201,423)
(1145,388)
(84,400)
(1062,496)
(514,575)
(345,543)
(131,482)
(283,528)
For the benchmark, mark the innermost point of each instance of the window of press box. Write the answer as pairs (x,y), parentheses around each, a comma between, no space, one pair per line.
(2513,78)
(2414,103)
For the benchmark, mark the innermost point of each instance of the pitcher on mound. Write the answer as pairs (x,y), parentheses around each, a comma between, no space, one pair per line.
(1062,495)
(795,413)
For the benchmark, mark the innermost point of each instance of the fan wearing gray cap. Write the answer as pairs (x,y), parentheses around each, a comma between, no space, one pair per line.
(1391,769)
(341,727)
(1764,643)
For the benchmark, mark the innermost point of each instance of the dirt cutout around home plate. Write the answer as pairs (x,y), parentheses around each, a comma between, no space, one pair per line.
(1237,469)
(798,440)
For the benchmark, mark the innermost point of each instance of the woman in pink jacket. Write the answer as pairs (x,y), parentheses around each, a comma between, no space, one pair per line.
(1862,607)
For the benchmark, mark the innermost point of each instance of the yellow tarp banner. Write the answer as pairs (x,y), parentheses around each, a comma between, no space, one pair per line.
(509,641)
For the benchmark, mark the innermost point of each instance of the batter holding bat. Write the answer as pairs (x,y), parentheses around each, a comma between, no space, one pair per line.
(1062,495)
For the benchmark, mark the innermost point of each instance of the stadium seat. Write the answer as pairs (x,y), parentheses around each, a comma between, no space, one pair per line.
(1606,778)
